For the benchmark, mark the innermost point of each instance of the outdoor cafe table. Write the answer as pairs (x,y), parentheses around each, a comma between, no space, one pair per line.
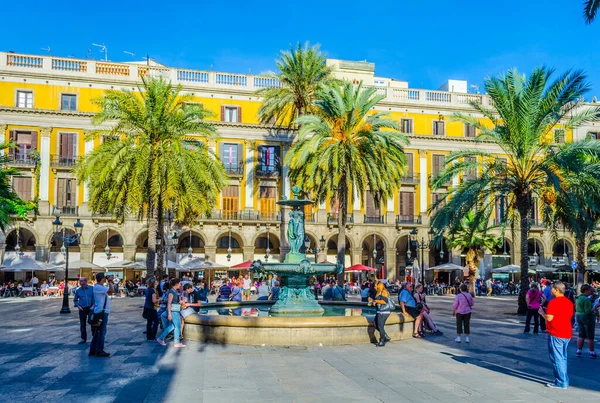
(53,290)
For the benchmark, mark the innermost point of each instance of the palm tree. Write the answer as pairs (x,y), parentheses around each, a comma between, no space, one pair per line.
(526,110)
(343,149)
(577,206)
(151,164)
(302,73)
(590,9)
(473,235)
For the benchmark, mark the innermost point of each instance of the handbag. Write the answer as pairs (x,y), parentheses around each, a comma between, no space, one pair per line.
(389,307)
(96,319)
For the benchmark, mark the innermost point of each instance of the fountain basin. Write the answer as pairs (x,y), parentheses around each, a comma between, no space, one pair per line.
(292,330)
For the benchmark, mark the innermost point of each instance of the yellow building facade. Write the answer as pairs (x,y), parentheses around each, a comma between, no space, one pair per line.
(46,105)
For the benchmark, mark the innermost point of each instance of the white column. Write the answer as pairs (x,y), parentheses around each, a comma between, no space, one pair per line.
(285,185)
(45,163)
(250,174)
(356,205)
(423,180)
(390,205)
(89,147)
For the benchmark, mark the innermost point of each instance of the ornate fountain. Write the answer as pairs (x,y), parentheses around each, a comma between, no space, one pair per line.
(295,297)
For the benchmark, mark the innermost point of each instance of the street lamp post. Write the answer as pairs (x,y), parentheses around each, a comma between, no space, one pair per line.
(67,241)
(422,246)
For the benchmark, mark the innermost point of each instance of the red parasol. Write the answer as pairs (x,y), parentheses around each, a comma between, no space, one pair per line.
(245,265)
(360,267)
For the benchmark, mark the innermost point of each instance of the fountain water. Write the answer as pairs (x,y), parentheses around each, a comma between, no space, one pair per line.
(295,272)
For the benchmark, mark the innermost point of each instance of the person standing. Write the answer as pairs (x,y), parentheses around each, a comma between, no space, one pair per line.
(383,312)
(585,320)
(247,287)
(462,308)
(558,324)
(534,300)
(83,300)
(150,305)
(489,287)
(101,306)
(173,318)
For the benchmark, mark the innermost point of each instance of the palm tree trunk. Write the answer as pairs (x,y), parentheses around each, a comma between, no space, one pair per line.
(472,273)
(160,261)
(342,197)
(580,246)
(151,252)
(524,207)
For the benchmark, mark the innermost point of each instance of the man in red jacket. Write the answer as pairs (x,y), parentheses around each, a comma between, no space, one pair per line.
(558,325)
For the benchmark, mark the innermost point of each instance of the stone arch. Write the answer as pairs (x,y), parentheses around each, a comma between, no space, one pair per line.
(272,232)
(334,237)
(500,248)
(28,238)
(236,239)
(378,235)
(55,246)
(138,237)
(102,230)
(198,241)
(540,245)
(239,236)
(558,249)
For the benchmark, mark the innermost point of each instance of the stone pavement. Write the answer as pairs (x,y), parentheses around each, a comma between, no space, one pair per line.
(40,360)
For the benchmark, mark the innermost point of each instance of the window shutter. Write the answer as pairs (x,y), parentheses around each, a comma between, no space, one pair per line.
(410,164)
(60,194)
(436,164)
(222,113)
(222,153)
(71,187)
(240,160)
(34,140)
(277,158)
(239,114)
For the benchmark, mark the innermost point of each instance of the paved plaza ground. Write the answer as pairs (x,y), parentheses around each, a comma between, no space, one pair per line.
(41,361)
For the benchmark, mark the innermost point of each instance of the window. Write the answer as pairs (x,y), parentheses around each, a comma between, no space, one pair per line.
(268,159)
(559,136)
(24,99)
(407,207)
(406,125)
(438,163)
(232,114)
(25,141)
(65,194)
(593,135)
(435,197)
(68,102)
(410,166)
(231,196)
(68,148)
(470,131)
(267,196)
(230,154)
(22,187)
(439,128)
(470,173)
(109,138)
(371,211)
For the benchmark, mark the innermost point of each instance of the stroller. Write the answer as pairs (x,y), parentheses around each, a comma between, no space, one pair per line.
(131,289)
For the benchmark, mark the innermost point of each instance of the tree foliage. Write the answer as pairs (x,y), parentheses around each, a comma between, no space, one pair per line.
(343,149)
(521,124)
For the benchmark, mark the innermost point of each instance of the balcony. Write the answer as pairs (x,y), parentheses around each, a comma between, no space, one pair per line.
(377,219)
(16,158)
(410,180)
(263,171)
(333,218)
(60,161)
(234,169)
(67,210)
(243,215)
(408,219)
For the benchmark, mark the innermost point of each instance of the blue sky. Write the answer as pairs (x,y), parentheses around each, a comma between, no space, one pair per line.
(422,42)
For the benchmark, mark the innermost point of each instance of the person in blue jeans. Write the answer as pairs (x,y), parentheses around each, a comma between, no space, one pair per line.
(172,315)
(101,305)
(558,321)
